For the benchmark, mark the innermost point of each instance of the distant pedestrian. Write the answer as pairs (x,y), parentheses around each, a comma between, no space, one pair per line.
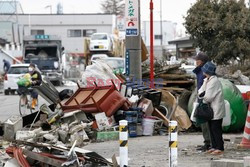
(201,59)
(213,95)
(6,66)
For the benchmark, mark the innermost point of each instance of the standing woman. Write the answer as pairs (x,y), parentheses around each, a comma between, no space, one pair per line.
(212,91)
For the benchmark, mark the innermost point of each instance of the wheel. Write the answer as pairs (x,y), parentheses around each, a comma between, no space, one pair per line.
(12,92)
(24,108)
(6,92)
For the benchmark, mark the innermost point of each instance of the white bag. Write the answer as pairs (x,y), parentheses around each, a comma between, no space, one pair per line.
(192,117)
(227,119)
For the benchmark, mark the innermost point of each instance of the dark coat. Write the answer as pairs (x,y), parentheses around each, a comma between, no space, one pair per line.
(199,75)
(36,76)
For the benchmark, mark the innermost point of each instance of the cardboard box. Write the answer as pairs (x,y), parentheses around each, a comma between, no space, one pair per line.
(103,122)
(146,106)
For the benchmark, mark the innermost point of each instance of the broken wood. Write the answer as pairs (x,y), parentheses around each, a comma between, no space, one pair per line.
(158,114)
(170,89)
(176,76)
(174,82)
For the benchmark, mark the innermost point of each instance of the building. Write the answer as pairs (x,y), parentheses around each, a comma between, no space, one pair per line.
(72,28)
(166,33)
(163,32)
(184,47)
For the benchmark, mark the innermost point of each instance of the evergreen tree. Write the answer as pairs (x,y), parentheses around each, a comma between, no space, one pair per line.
(221,28)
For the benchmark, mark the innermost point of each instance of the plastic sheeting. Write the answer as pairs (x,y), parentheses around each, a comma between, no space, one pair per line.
(101,74)
(238,109)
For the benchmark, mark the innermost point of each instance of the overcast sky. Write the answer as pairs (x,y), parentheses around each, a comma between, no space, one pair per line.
(172,10)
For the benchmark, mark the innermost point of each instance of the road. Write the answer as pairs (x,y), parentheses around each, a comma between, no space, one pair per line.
(9,103)
(145,151)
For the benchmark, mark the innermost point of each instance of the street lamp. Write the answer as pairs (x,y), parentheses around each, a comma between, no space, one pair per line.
(49,6)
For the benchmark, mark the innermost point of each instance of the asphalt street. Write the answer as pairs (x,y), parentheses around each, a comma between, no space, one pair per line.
(9,104)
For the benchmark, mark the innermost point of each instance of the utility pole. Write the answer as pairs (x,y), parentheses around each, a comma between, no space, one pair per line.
(161,23)
(133,39)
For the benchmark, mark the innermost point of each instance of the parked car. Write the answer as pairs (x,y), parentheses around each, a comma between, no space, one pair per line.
(101,42)
(15,72)
(98,56)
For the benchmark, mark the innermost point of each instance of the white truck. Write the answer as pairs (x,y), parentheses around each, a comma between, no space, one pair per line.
(45,51)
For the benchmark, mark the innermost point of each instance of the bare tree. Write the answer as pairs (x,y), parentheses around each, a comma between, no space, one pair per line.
(116,7)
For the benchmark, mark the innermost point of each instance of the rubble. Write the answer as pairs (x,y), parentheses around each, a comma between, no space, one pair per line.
(56,134)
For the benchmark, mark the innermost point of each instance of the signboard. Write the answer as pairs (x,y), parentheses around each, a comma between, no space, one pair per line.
(42,37)
(120,23)
(132,18)
(127,64)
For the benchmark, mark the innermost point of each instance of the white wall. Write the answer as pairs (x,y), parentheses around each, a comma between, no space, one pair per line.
(168,30)
(59,25)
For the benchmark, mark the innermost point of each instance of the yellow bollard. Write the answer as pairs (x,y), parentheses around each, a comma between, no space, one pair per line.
(123,143)
(173,143)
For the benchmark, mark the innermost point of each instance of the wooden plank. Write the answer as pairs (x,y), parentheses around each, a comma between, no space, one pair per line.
(174,89)
(158,114)
(176,76)
(174,82)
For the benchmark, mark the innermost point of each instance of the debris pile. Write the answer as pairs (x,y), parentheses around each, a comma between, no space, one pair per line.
(57,132)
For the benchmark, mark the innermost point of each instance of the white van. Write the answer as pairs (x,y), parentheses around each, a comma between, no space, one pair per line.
(15,72)
(101,42)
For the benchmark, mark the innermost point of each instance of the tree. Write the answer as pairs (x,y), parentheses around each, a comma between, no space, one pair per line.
(221,28)
(116,7)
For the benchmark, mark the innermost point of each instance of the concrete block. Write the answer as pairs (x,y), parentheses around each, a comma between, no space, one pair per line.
(247,161)
(11,126)
(227,163)
(25,135)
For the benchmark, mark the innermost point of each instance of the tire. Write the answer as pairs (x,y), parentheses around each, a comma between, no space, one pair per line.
(12,92)
(6,92)
(24,109)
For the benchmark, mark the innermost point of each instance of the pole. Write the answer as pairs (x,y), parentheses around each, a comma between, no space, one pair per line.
(123,128)
(161,23)
(173,144)
(133,40)
(151,45)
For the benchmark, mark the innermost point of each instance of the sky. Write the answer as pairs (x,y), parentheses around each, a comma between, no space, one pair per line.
(172,10)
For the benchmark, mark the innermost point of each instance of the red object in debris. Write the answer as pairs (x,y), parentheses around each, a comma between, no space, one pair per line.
(94,125)
(96,99)
(17,153)
(5,77)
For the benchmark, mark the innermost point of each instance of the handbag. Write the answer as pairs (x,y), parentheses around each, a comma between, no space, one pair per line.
(204,111)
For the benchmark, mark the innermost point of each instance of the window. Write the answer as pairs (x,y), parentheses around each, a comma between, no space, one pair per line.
(99,37)
(18,70)
(74,33)
(158,36)
(37,32)
(88,33)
